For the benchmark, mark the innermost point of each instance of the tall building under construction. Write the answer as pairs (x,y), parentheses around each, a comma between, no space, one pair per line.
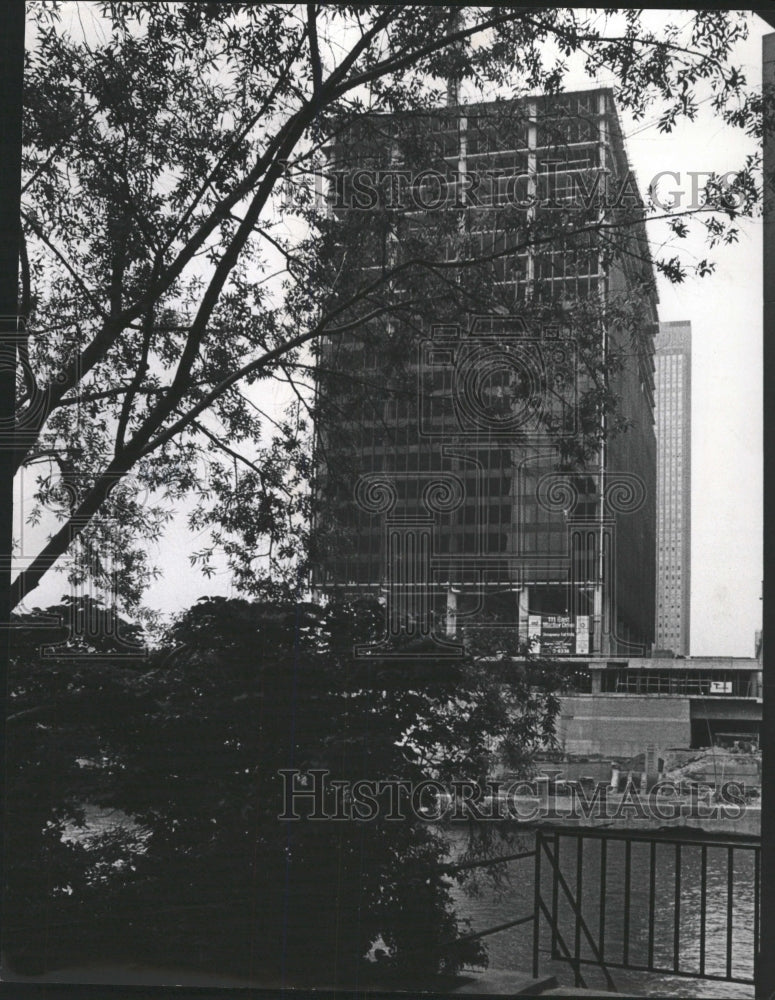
(472,500)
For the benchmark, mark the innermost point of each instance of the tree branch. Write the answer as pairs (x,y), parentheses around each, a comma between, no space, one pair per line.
(269,164)
(32,223)
(394,63)
(314,51)
(252,122)
(237,456)
(23,342)
(136,382)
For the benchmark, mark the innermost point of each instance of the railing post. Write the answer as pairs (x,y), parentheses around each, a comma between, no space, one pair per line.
(703,904)
(730,901)
(603,883)
(576,908)
(652,899)
(627,874)
(677,909)
(555,894)
(579,876)
(756,907)
(537,902)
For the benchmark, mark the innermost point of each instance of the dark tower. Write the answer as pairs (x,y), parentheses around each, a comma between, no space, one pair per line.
(466,507)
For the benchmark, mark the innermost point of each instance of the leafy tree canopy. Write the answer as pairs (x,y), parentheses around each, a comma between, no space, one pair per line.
(177,263)
(188,746)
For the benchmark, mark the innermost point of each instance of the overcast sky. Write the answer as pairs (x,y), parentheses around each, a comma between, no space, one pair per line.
(725,313)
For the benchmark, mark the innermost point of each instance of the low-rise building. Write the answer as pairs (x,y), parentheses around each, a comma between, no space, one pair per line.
(620,705)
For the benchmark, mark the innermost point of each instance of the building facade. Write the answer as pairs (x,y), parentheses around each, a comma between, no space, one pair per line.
(673,359)
(692,702)
(478,498)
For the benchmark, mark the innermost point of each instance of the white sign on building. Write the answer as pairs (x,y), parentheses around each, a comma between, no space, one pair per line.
(582,635)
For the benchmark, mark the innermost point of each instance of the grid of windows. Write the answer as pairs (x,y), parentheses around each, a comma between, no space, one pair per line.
(560,149)
(705,683)
(673,426)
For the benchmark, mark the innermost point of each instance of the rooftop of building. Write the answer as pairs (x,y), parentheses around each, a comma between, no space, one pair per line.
(678,662)
(674,335)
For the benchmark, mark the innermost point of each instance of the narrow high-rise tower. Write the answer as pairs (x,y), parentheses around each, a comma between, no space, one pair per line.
(673,359)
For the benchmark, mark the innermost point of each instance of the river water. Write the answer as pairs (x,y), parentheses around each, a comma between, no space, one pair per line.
(513,948)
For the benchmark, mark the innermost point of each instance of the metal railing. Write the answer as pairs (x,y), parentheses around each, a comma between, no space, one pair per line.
(699,888)
(644,901)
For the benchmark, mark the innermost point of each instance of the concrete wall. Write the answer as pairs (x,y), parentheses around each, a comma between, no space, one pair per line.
(622,725)
(726,708)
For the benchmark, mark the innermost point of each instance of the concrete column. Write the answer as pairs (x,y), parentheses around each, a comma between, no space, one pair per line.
(651,768)
(607,620)
(452,596)
(597,621)
(523,598)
